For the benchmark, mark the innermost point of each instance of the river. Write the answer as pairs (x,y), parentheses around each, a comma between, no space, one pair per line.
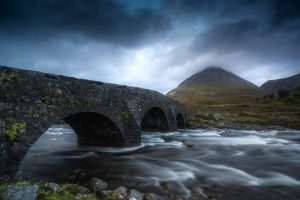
(225,164)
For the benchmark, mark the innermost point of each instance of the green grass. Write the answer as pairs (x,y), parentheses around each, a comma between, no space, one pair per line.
(192,94)
(258,110)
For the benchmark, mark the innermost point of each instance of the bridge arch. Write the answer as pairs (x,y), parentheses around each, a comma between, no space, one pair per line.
(95,129)
(93,124)
(154,119)
(180,123)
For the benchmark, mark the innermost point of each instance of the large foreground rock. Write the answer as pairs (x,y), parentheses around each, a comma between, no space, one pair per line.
(21,193)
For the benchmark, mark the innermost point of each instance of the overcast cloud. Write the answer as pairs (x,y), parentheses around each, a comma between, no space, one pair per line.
(152,44)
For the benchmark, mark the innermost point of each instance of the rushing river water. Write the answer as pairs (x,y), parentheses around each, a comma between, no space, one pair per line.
(227,164)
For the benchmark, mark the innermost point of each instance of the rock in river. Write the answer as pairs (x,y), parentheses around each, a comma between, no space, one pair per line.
(97,185)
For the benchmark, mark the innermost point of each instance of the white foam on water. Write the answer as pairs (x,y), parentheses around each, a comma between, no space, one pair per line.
(239,153)
(203,134)
(52,132)
(59,130)
(229,175)
(244,131)
(84,155)
(235,141)
(278,179)
(223,174)
(290,131)
(117,149)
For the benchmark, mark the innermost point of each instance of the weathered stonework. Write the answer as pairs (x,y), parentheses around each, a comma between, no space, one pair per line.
(96,111)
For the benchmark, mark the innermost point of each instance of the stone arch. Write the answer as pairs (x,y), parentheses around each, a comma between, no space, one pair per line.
(154,120)
(121,127)
(180,121)
(95,129)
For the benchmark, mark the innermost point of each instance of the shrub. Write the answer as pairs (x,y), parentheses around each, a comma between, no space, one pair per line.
(282,93)
(269,97)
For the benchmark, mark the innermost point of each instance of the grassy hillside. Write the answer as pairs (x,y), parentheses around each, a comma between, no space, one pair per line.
(263,110)
(212,92)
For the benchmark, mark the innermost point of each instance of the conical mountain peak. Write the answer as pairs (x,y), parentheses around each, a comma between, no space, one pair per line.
(214,75)
(214,82)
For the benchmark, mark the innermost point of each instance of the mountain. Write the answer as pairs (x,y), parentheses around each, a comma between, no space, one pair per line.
(288,83)
(212,83)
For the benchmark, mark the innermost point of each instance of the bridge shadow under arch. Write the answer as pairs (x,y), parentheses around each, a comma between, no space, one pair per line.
(95,129)
(180,121)
(154,120)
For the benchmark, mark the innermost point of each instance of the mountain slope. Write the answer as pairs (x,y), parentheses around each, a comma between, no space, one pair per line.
(288,83)
(213,83)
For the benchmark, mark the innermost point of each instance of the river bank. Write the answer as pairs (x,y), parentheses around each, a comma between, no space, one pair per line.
(96,189)
(236,126)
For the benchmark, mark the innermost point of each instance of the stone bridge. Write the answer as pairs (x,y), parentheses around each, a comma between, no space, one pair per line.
(101,114)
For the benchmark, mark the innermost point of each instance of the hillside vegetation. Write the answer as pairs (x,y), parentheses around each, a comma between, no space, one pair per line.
(231,99)
(267,110)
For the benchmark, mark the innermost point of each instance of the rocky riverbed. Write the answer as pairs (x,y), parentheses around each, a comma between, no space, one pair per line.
(96,189)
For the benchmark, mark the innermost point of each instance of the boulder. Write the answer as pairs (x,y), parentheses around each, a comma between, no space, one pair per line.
(52,186)
(83,190)
(135,195)
(28,192)
(85,196)
(107,193)
(97,185)
(121,191)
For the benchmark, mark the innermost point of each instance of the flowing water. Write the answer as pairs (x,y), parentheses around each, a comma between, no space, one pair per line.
(226,164)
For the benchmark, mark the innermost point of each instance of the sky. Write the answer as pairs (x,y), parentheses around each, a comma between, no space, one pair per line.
(154,44)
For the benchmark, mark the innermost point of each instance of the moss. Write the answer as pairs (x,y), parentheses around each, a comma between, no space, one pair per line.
(64,192)
(88,197)
(8,78)
(87,101)
(22,183)
(23,99)
(125,115)
(48,194)
(14,129)
(72,102)
(114,196)
(47,100)
(3,187)
(70,188)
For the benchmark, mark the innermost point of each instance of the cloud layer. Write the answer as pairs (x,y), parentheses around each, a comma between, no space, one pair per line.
(152,44)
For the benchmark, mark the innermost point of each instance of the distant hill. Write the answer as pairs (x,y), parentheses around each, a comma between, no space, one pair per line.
(212,83)
(288,83)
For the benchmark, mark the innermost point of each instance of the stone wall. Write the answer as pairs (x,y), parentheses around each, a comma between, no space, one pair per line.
(31,102)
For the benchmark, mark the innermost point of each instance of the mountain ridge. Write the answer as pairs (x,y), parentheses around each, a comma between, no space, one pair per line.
(288,83)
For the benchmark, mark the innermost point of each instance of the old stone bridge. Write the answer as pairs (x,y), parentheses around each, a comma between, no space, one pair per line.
(101,114)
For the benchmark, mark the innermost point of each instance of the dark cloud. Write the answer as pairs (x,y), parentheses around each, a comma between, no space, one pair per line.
(227,36)
(286,14)
(154,44)
(105,20)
